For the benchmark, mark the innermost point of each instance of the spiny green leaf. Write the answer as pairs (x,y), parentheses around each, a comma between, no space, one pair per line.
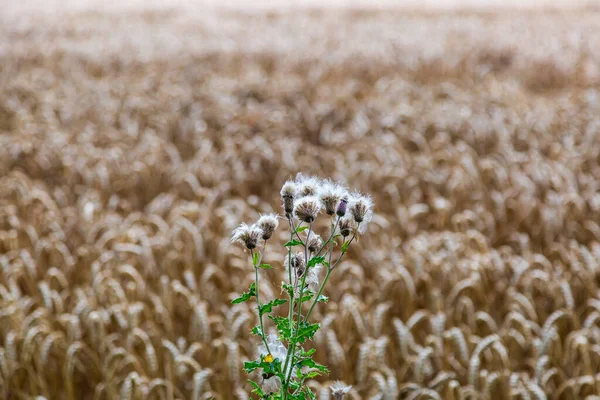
(257,331)
(283,327)
(246,296)
(322,299)
(255,258)
(309,362)
(308,353)
(267,308)
(345,246)
(265,266)
(301,228)
(316,260)
(250,366)
(287,287)
(306,331)
(256,387)
(293,242)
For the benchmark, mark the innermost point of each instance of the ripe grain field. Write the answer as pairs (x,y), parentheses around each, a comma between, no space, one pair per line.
(134,140)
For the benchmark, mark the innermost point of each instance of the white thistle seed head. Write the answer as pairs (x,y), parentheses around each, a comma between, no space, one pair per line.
(339,389)
(314,243)
(312,278)
(330,194)
(307,185)
(361,209)
(296,261)
(346,226)
(268,223)
(307,208)
(246,234)
(288,194)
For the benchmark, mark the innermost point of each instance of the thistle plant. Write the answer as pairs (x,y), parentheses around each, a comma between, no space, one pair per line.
(284,361)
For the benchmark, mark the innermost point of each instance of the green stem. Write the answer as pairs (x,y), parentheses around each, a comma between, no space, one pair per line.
(262,329)
(328,240)
(291,305)
(318,294)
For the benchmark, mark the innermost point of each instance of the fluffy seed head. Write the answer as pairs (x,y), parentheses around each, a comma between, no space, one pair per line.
(307,185)
(314,243)
(346,226)
(247,235)
(267,223)
(339,389)
(361,209)
(296,261)
(307,209)
(312,277)
(330,195)
(288,193)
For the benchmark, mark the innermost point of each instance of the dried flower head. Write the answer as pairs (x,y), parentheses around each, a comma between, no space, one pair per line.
(339,389)
(307,208)
(247,235)
(268,223)
(361,209)
(307,185)
(314,243)
(296,261)
(342,206)
(346,226)
(330,195)
(288,194)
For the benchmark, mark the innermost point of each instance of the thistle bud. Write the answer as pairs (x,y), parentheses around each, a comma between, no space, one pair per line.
(268,223)
(247,235)
(307,208)
(341,208)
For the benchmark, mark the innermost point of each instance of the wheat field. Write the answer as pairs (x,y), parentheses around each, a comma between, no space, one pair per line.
(134,140)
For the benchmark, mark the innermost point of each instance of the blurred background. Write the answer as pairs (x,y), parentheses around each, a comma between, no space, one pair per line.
(136,135)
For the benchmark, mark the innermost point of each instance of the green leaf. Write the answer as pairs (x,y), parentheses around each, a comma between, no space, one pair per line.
(256,387)
(312,374)
(310,363)
(310,394)
(255,259)
(293,242)
(345,246)
(301,228)
(257,331)
(246,296)
(316,260)
(287,287)
(307,296)
(308,353)
(322,299)
(267,308)
(265,266)
(250,366)
(283,327)
(307,331)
